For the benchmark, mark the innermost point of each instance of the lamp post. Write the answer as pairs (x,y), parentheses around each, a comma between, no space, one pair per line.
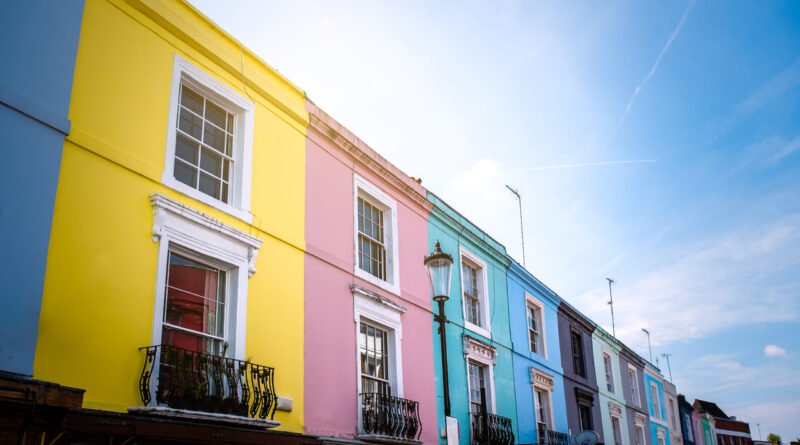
(439,265)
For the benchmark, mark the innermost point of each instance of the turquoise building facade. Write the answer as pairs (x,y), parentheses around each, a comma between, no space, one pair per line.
(478,334)
(536,353)
(656,406)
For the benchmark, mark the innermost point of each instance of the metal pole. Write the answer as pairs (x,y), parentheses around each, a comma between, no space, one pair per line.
(443,342)
(521,230)
(669,368)
(648,344)
(611,303)
(759,431)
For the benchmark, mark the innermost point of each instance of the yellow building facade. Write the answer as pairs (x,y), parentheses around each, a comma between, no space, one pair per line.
(186,159)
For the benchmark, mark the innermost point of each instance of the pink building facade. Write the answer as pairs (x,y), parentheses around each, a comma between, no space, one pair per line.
(369,371)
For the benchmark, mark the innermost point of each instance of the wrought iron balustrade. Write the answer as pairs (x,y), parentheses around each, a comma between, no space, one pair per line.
(203,382)
(491,429)
(390,417)
(549,437)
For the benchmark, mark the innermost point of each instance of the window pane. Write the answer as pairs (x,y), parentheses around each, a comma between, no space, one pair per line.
(186,149)
(215,138)
(185,174)
(192,100)
(195,301)
(215,114)
(190,123)
(209,185)
(211,162)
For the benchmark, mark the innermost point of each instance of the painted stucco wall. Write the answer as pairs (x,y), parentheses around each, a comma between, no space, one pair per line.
(658,420)
(520,284)
(568,321)
(100,285)
(602,342)
(634,407)
(38,43)
(331,350)
(454,231)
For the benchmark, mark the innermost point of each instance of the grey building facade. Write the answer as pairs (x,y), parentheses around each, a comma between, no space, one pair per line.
(580,381)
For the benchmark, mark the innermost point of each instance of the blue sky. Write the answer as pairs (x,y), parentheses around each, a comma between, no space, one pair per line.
(687,114)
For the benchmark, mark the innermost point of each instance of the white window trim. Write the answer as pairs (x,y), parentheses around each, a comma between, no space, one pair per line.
(635,386)
(486,330)
(376,311)
(180,225)
(362,188)
(184,71)
(530,299)
(479,352)
(615,412)
(543,381)
(607,353)
(654,397)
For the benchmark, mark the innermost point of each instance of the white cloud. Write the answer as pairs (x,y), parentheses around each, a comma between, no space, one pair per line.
(774,351)
(720,283)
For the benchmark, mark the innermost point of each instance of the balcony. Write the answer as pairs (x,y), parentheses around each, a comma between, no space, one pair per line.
(548,437)
(491,429)
(225,388)
(389,419)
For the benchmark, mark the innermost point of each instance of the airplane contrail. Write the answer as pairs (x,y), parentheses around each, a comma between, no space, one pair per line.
(584,164)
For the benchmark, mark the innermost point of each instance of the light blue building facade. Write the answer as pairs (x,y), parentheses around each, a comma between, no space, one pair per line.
(609,382)
(538,375)
(656,405)
(38,46)
(478,336)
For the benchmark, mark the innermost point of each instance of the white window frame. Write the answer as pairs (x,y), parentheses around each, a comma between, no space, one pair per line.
(543,382)
(616,433)
(375,196)
(481,353)
(689,427)
(211,88)
(483,285)
(608,367)
(639,421)
(671,411)
(655,401)
(530,300)
(386,315)
(661,436)
(180,228)
(636,396)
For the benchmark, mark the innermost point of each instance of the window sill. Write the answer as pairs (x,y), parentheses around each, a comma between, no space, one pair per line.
(477,329)
(197,195)
(385,285)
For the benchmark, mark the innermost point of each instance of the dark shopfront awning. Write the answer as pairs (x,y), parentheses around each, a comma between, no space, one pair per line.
(90,427)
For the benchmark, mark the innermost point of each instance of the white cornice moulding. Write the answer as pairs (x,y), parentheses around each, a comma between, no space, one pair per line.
(356,289)
(163,207)
(484,352)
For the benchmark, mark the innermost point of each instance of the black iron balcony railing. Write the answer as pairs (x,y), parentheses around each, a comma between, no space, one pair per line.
(390,417)
(549,437)
(203,382)
(491,429)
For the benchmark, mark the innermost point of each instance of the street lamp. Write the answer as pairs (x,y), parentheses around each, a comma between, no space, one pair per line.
(439,265)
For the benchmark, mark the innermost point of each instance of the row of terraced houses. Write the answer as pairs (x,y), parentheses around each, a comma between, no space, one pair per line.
(197,253)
